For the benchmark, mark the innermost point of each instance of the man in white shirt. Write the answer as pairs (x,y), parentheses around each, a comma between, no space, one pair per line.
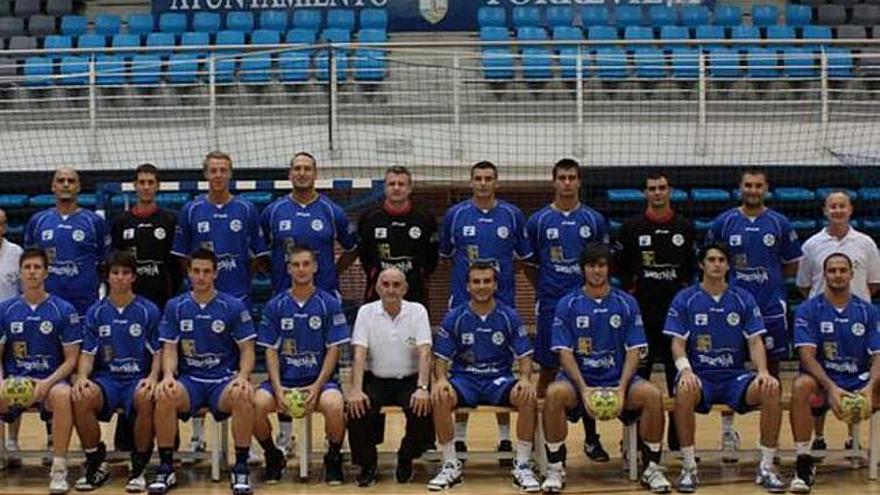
(10,252)
(392,362)
(838,237)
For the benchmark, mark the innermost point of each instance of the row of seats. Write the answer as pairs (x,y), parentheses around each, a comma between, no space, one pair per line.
(718,195)
(844,3)
(27,8)
(803,225)
(836,15)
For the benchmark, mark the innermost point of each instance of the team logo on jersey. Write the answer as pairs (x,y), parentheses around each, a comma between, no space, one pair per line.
(135,330)
(78,235)
(288,347)
(701,319)
(339,319)
(103,331)
(315,322)
(284,225)
(553,234)
(556,254)
(733,319)
(704,343)
(235,225)
(468,231)
(678,240)
(858,329)
(218,326)
(503,232)
(585,345)
(582,322)
(735,240)
(47,235)
(245,316)
(186,325)
(159,233)
(615,321)
(46,327)
(498,338)
(585,231)
(468,357)
(740,262)
(203,227)
(644,240)
(826,327)
(467,338)
(19,349)
(188,347)
(287,323)
(128,234)
(415,232)
(16,327)
(109,355)
(769,343)
(830,350)
(380,233)
(317,225)
(769,240)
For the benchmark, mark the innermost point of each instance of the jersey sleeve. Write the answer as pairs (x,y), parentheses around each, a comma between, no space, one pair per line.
(423,326)
(71,332)
(523,247)
(267,333)
(635,328)
(715,234)
(242,323)
(754,322)
(258,244)
(519,336)
(603,232)
(561,336)
(90,342)
(30,237)
(338,332)
(447,246)
(182,234)
(445,346)
(169,327)
(677,318)
(791,247)
(806,268)
(874,327)
(533,239)
(345,231)
(805,334)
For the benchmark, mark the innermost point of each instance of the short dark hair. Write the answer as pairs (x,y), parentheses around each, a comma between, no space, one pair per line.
(754,171)
(594,252)
(146,168)
(399,170)
(204,254)
(216,155)
(34,253)
(657,175)
(301,249)
(483,265)
(837,255)
(567,164)
(122,259)
(305,154)
(484,165)
(704,251)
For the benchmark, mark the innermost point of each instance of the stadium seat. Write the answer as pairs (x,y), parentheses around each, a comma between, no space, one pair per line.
(183,67)
(803,224)
(674,33)
(831,15)
(727,15)
(661,16)
(74,25)
(823,192)
(13,200)
(724,63)
(780,33)
(611,63)
(340,19)
(840,63)
(818,33)
(872,224)
(559,16)
(639,33)
(793,194)
(57,42)
(568,54)
(74,70)
(240,21)
(294,65)
(743,32)
(107,24)
(42,25)
(866,15)
(708,195)
(378,19)
(845,3)
(132,41)
(489,17)
(708,32)
(594,15)
(797,15)
(625,195)
(160,39)
(91,41)
(26,8)
(497,64)
(649,63)
(693,16)
(322,65)
(38,71)
(849,32)
(684,63)
(146,69)
(531,33)
(224,67)
(8,67)
(537,63)
(206,22)
(10,26)
(494,34)
(372,36)
(762,62)
(199,38)
(598,33)
(307,19)
(5,7)
(140,24)
(300,36)
(23,43)
(526,17)
(799,63)
(172,22)
(257,67)
(260,199)
(764,15)
(110,69)
(370,64)
(265,37)
(274,20)
(59,7)
(869,193)
(628,15)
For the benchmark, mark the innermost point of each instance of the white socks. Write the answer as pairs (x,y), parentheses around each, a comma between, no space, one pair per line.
(523,453)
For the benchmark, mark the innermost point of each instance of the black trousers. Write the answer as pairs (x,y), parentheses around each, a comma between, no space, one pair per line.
(659,351)
(382,392)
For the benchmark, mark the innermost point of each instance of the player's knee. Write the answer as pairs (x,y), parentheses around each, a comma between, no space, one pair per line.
(242,407)
(59,396)
(804,385)
(263,403)
(557,393)
(331,402)
(686,398)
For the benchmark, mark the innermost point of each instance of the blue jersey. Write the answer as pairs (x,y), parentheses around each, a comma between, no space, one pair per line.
(76,245)
(207,337)
(122,340)
(557,239)
(470,234)
(482,346)
(715,331)
(302,333)
(33,337)
(844,339)
(758,248)
(599,332)
(317,226)
(232,231)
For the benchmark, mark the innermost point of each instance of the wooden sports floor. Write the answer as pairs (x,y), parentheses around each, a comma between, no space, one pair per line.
(482,474)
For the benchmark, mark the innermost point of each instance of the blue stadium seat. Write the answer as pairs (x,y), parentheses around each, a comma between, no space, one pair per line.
(146,69)
(724,63)
(322,65)
(370,64)
(265,37)
(708,195)
(140,24)
(872,224)
(89,200)
(341,19)
(531,33)
(611,63)
(110,69)
(335,35)
(762,62)
(818,33)
(38,71)
(497,64)
(376,19)
(260,199)
(107,24)
(693,16)
(797,15)
(765,15)
(526,16)
(74,70)
(274,20)
(307,19)
(240,21)
(57,42)
(568,33)
(661,15)
(678,196)
(625,195)
(257,67)
(628,15)
(799,62)
(159,39)
(823,192)
(491,17)
(559,16)
(803,224)
(74,25)
(537,63)
(869,193)
(173,200)
(568,54)
(224,67)
(598,33)
(184,68)
(780,33)
(674,33)
(228,37)
(494,34)
(649,62)
(594,15)
(684,63)
(638,33)
(372,36)
(91,41)
(728,15)
(13,200)
(199,38)
(744,32)
(295,65)
(707,32)
(206,22)
(840,62)
(126,41)
(793,194)
(172,22)
(300,36)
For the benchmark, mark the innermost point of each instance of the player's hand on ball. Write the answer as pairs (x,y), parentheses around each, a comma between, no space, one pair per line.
(358,403)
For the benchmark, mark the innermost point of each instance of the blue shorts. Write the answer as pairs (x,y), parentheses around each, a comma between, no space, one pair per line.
(728,391)
(476,391)
(202,394)
(857,383)
(546,311)
(117,395)
(776,339)
(578,412)
(330,385)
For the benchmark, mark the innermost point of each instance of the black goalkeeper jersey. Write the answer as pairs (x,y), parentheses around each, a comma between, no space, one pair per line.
(149,239)
(406,240)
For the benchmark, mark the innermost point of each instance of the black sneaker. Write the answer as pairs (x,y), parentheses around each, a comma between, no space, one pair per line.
(367,477)
(240,483)
(818,449)
(461,450)
(96,472)
(404,471)
(805,475)
(505,451)
(333,469)
(595,451)
(274,470)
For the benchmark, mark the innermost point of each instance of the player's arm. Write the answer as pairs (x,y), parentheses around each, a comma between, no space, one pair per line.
(345,260)
(169,361)
(811,365)
(247,358)
(273,369)
(71,355)
(84,365)
(331,359)
(358,401)
(570,367)
(687,380)
(630,365)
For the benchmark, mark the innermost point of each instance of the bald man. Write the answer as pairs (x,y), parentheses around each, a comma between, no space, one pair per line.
(392,359)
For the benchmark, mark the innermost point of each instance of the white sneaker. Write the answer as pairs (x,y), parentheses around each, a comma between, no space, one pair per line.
(449,476)
(554,478)
(285,444)
(654,478)
(137,484)
(524,479)
(58,482)
(730,446)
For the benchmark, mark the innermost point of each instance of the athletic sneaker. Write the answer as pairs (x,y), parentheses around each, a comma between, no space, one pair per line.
(95,476)
(285,444)
(688,480)
(595,450)
(136,484)
(804,475)
(769,480)
(274,470)
(165,480)
(333,474)
(240,483)
(524,479)
(58,482)
(730,446)
(654,478)
(818,449)
(449,476)
(554,478)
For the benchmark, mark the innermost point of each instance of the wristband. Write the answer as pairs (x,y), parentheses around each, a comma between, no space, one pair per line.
(682,364)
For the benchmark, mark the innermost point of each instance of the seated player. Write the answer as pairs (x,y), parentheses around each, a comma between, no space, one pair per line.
(40,336)
(208,346)
(480,340)
(714,326)
(836,336)
(118,369)
(598,334)
(302,331)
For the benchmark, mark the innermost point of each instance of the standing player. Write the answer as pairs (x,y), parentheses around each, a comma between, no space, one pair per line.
(764,250)
(714,327)
(654,259)
(40,337)
(118,368)
(207,360)
(10,287)
(487,229)
(598,334)
(837,337)
(399,234)
(558,234)
(302,331)
(475,348)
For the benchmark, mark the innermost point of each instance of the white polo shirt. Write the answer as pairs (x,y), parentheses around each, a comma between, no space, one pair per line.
(10,274)
(861,249)
(392,344)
